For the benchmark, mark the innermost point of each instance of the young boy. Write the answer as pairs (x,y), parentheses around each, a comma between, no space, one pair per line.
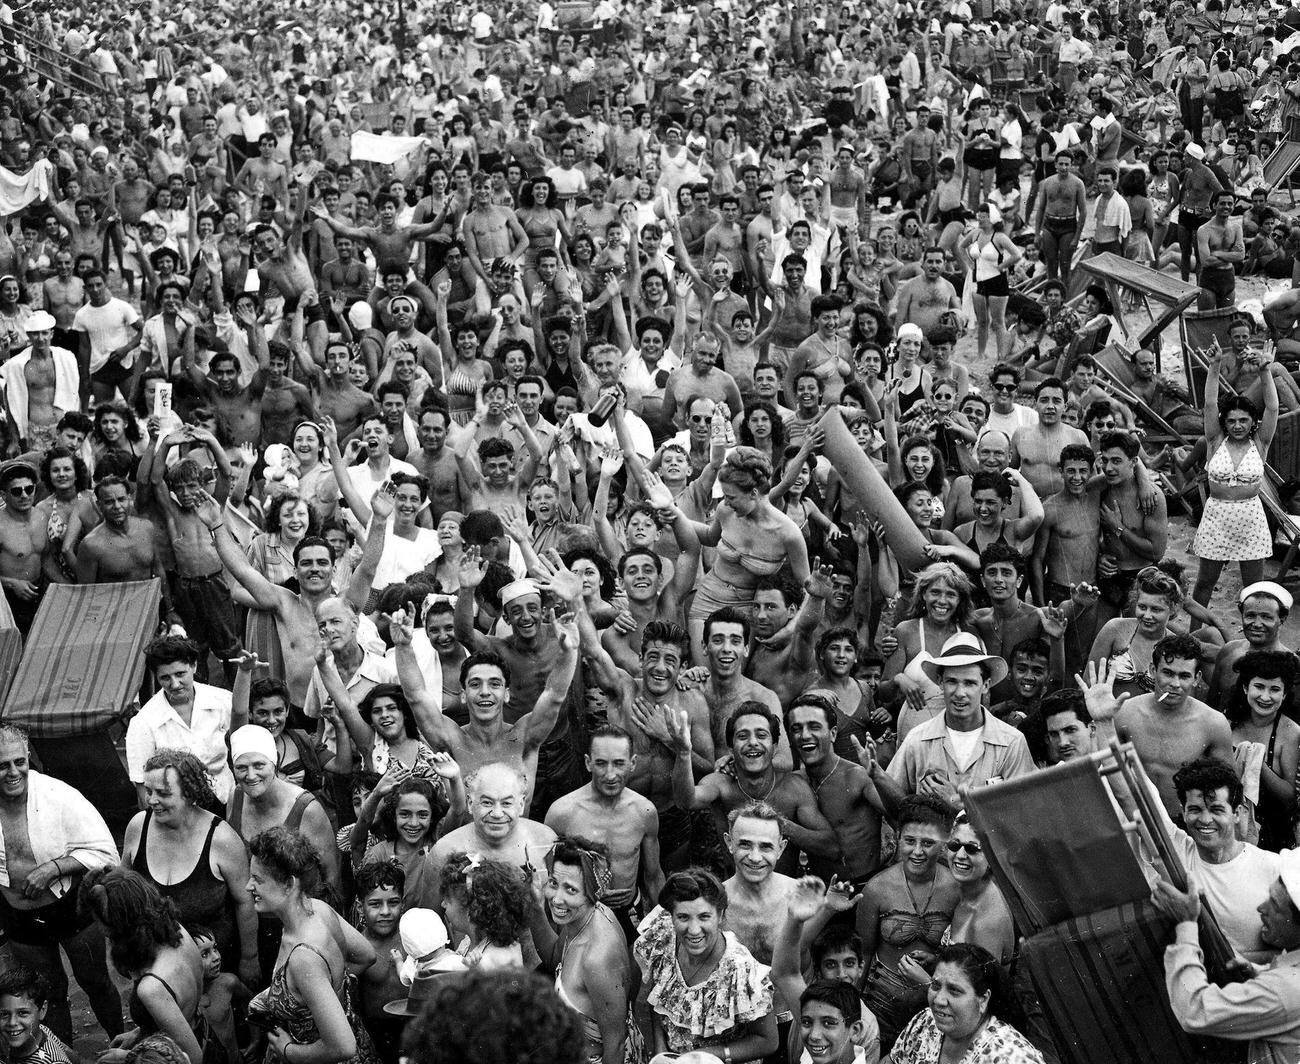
(379,887)
(24,998)
(1030,669)
(741,346)
(830,1022)
(222,991)
(201,596)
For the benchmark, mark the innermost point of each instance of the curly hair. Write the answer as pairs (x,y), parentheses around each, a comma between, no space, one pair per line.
(379,875)
(598,559)
(287,855)
(137,920)
(778,426)
(498,901)
(386,820)
(196,784)
(80,473)
(20,981)
(950,574)
(1261,665)
(529,1022)
(747,469)
(157,1049)
(274,513)
(938,475)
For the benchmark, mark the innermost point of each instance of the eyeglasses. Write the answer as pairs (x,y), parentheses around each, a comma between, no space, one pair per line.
(700,419)
(971,848)
(22,489)
(1004,387)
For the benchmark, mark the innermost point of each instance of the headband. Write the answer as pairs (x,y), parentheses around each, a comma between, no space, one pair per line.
(596,873)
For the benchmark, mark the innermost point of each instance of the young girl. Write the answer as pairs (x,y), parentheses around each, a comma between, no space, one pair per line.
(487,906)
(866,275)
(405,812)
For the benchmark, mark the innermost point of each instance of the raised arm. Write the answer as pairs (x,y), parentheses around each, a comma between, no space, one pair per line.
(427,707)
(265,595)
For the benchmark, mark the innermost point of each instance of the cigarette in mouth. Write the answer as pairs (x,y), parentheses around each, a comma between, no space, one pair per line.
(1163,697)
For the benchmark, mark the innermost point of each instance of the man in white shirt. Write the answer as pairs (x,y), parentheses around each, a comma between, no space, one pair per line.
(569,181)
(183,715)
(1072,53)
(110,329)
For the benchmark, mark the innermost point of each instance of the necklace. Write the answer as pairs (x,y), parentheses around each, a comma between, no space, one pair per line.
(921,911)
(689,978)
(564,953)
(818,786)
(758,797)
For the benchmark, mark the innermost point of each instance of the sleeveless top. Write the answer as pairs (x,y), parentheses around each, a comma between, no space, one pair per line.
(213,1051)
(201,897)
(294,1016)
(293,821)
(1248,472)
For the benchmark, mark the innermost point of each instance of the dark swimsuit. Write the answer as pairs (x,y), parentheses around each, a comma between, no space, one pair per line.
(201,897)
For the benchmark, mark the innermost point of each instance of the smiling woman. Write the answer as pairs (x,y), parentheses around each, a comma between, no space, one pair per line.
(706,989)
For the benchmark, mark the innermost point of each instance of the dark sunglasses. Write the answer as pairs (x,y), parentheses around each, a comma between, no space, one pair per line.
(22,489)
(1004,387)
(971,848)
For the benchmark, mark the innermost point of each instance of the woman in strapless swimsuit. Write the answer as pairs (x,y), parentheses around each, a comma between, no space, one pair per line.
(1128,642)
(753,540)
(904,912)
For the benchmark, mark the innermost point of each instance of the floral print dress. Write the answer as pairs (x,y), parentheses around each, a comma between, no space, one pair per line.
(737,992)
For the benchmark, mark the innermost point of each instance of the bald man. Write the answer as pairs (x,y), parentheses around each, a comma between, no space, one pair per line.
(499,831)
(993,453)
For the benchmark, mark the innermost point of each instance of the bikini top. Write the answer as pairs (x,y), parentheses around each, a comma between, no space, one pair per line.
(1249,471)
(750,562)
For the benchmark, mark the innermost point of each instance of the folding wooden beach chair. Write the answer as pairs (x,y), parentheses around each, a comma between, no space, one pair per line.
(1062,845)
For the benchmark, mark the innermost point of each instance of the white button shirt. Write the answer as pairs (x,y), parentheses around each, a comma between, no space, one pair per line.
(159,727)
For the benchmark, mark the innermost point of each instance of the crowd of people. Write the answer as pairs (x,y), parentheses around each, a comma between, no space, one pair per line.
(616,476)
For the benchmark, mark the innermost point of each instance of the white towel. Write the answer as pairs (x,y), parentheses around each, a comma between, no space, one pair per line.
(19,190)
(371,147)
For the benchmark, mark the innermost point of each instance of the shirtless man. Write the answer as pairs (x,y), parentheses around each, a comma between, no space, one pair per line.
(843,789)
(335,394)
(281,264)
(643,706)
(844,195)
(924,300)
(64,296)
(1062,210)
(26,563)
(757,892)
(726,648)
(285,402)
(38,885)
(296,621)
(779,660)
(123,547)
(1168,727)
(499,831)
(1036,449)
(436,462)
(607,810)
(993,453)
(41,384)
(1066,546)
(240,408)
(699,378)
(491,232)
(725,239)
(1264,609)
(752,733)
(391,243)
(485,679)
(1221,248)
(649,597)
(263,175)
(1134,523)
(1197,185)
